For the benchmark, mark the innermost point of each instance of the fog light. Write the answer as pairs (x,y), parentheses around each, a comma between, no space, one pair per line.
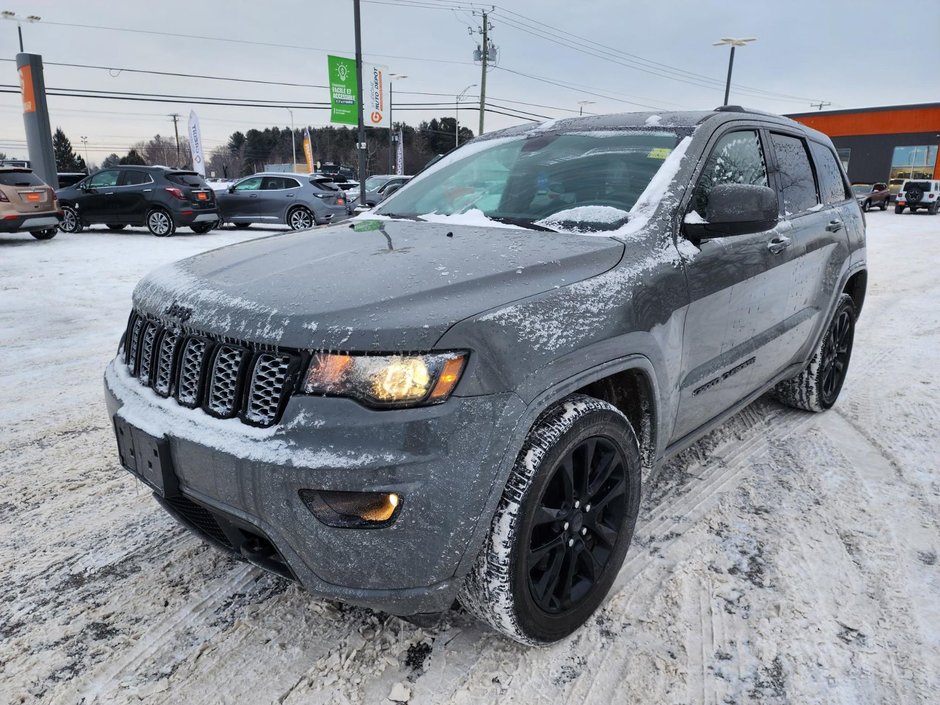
(352,510)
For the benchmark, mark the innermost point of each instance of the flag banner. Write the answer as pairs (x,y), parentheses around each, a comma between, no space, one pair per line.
(374,95)
(400,154)
(343,90)
(195,143)
(308,150)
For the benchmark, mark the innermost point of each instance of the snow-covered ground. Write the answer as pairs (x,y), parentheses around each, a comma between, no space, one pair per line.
(786,558)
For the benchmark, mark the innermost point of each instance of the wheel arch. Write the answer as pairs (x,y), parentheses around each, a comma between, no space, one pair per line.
(611,381)
(856,287)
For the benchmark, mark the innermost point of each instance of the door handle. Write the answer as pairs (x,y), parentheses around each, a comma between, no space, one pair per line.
(148,190)
(254,195)
(109,193)
(778,244)
(834,226)
(289,195)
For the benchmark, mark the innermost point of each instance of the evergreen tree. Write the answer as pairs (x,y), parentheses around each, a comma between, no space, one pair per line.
(110,160)
(133,158)
(65,158)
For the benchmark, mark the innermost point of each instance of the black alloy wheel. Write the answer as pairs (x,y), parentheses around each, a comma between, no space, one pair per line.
(835,355)
(576,525)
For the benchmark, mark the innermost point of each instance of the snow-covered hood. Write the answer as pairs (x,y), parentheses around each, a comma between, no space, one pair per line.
(397,287)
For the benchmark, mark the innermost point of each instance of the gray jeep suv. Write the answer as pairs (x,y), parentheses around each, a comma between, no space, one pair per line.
(456,396)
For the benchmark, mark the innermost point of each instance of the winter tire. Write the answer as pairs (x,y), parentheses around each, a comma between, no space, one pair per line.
(884,205)
(563,524)
(932,209)
(46,234)
(817,387)
(899,209)
(71,223)
(300,218)
(202,228)
(866,206)
(160,223)
(116,226)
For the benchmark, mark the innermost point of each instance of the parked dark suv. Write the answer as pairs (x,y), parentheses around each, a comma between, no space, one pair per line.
(161,198)
(457,395)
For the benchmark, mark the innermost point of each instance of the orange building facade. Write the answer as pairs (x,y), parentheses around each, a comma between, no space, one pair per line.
(888,144)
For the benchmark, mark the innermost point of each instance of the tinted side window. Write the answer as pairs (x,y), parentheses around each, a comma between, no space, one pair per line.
(252,184)
(135,178)
(736,159)
(104,178)
(797,185)
(831,184)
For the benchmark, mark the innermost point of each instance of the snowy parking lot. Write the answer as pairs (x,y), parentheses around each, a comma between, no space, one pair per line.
(785,558)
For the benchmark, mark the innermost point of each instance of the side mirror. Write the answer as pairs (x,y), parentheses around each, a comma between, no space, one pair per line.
(736,209)
(231,189)
(390,190)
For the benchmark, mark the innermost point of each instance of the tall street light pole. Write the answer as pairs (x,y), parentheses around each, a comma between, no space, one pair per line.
(582,103)
(7,15)
(457,114)
(391,125)
(732,42)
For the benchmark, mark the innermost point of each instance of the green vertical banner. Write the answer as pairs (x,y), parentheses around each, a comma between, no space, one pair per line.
(343,90)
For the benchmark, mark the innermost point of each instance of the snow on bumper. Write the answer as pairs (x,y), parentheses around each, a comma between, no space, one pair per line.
(442,460)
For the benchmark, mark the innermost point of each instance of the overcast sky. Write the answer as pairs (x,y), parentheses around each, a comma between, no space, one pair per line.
(852,53)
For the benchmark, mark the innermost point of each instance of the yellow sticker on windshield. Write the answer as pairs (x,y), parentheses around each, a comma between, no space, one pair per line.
(659,153)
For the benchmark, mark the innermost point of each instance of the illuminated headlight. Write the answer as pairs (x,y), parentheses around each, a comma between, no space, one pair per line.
(386,380)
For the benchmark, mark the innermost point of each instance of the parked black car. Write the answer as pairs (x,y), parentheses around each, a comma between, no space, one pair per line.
(298,200)
(159,197)
(458,396)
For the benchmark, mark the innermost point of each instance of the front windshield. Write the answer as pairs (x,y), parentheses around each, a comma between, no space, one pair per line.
(579,181)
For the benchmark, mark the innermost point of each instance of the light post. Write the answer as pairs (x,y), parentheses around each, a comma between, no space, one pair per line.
(293,143)
(8,15)
(457,114)
(582,103)
(732,42)
(391,124)
(84,139)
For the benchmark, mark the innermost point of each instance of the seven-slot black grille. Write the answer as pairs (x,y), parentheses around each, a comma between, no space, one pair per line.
(224,378)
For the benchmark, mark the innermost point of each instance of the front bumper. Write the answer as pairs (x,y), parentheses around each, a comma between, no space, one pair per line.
(444,461)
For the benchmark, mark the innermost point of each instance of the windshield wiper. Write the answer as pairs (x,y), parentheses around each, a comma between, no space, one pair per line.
(524,222)
(403,216)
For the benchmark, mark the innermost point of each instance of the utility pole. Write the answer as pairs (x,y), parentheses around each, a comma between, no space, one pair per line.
(484,56)
(176,130)
(392,77)
(84,139)
(361,145)
(820,104)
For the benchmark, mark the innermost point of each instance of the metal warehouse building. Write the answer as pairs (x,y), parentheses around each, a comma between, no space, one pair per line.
(888,144)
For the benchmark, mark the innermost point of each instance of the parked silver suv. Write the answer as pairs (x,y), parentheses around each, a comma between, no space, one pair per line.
(298,200)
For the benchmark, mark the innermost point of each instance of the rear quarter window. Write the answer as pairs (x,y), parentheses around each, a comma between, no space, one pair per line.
(20,178)
(831,183)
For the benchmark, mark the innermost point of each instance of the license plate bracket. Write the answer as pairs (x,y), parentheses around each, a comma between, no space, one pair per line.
(147,457)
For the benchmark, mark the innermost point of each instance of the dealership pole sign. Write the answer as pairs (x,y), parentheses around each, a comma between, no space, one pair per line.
(343,106)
